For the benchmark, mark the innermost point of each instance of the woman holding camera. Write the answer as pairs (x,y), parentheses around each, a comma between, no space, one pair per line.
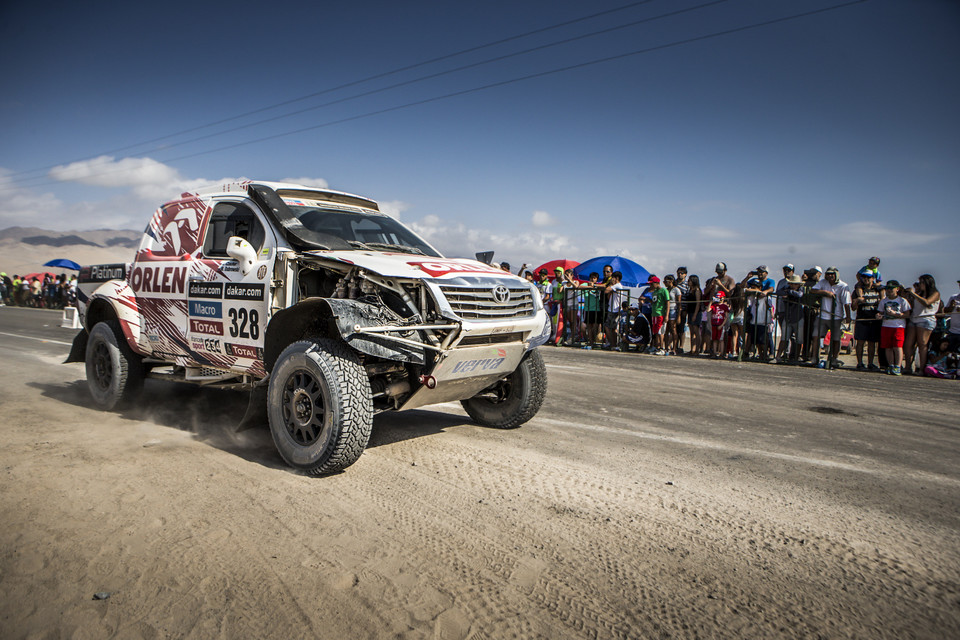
(924,300)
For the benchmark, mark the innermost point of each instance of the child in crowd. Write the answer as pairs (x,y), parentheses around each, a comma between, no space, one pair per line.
(894,310)
(659,306)
(718,316)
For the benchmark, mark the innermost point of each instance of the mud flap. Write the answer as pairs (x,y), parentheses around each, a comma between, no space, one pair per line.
(78,351)
(256,414)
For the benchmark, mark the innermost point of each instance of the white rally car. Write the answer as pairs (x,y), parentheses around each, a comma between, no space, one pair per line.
(330,309)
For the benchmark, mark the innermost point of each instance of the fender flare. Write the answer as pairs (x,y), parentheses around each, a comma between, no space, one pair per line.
(115,297)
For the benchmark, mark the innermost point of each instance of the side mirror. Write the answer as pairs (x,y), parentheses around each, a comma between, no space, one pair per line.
(243,252)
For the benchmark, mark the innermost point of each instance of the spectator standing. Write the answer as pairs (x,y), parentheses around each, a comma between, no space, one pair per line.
(759,287)
(722,282)
(811,314)
(612,292)
(894,311)
(834,312)
(691,305)
(736,319)
(790,310)
(555,293)
(683,284)
(659,308)
(866,331)
(592,310)
(781,289)
(673,315)
(5,286)
(924,301)
(543,285)
(953,333)
(571,319)
(718,317)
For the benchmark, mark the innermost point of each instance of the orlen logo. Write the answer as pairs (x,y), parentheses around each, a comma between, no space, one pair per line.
(442,267)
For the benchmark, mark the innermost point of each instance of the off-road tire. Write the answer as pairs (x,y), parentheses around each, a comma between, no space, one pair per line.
(319,406)
(114,371)
(526,389)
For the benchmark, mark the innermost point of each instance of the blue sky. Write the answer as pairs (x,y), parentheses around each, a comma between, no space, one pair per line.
(820,140)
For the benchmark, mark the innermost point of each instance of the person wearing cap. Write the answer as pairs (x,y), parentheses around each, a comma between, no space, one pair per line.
(683,285)
(791,312)
(779,293)
(718,318)
(543,283)
(835,311)
(659,307)
(555,293)
(722,282)
(866,331)
(894,311)
(811,312)
(758,287)
(613,293)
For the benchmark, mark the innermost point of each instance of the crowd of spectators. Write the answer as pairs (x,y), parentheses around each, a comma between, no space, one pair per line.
(805,318)
(53,292)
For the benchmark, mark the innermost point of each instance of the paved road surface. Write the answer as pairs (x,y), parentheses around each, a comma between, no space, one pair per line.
(651,497)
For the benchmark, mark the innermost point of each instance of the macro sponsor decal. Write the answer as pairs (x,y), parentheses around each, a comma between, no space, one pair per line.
(442,267)
(483,364)
(205,344)
(169,279)
(103,273)
(244,291)
(199,289)
(206,326)
(244,351)
(206,309)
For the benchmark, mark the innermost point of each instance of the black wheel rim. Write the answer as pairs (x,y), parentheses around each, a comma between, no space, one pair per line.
(102,366)
(304,408)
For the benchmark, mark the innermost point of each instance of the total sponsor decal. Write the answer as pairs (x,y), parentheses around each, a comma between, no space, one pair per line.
(205,344)
(244,291)
(244,351)
(206,309)
(438,268)
(481,364)
(160,279)
(206,326)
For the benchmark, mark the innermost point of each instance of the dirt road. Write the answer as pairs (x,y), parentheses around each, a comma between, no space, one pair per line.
(651,497)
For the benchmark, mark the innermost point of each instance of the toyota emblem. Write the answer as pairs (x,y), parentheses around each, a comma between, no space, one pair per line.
(501,294)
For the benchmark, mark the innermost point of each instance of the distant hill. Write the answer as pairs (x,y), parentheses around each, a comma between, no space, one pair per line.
(25,249)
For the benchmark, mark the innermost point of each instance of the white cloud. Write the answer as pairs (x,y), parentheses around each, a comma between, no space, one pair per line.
(542,219)
(393,208)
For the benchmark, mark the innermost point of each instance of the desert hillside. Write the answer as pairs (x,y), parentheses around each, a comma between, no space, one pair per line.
(25,249)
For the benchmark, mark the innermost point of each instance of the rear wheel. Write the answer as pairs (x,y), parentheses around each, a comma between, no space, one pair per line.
(114,371)
(319,406)
(515,399)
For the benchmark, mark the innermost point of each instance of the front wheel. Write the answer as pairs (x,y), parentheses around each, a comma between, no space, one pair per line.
(515,399)
(114,371)
(319,406)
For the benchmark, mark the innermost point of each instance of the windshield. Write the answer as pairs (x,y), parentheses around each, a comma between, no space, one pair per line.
(363,230)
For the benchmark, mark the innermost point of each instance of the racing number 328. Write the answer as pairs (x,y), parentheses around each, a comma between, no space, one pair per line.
(244,323)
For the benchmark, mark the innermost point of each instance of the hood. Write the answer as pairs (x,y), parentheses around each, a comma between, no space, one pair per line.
(408,265)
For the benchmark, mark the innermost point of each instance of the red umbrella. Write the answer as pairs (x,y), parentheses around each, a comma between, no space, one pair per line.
(553,264)
(39,275)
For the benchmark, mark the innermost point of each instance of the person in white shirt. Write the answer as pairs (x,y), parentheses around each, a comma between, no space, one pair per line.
(834,310)
(894,311)
(612,290)
(925,300)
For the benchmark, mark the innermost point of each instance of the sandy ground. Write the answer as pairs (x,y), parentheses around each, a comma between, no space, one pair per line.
(651,497)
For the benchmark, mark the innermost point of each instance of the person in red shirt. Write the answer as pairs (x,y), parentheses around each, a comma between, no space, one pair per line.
(718,317)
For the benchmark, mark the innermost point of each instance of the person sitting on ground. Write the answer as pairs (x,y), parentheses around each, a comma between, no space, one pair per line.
(894,311)
(788,304)
(834,312)
(924,300)
(659,308)
(718,317)
(866,331)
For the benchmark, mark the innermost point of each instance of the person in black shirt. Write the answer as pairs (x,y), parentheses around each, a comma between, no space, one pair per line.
(866,296)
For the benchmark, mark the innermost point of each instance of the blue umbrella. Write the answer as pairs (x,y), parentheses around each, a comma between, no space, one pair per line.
(63,262)
(633,274)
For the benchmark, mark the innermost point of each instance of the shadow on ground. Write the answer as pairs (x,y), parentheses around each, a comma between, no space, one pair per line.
(214,417)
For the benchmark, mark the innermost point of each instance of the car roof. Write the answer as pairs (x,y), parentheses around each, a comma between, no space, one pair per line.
(319,193)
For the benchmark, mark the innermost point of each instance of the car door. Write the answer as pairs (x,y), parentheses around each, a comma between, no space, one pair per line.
(227,308)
